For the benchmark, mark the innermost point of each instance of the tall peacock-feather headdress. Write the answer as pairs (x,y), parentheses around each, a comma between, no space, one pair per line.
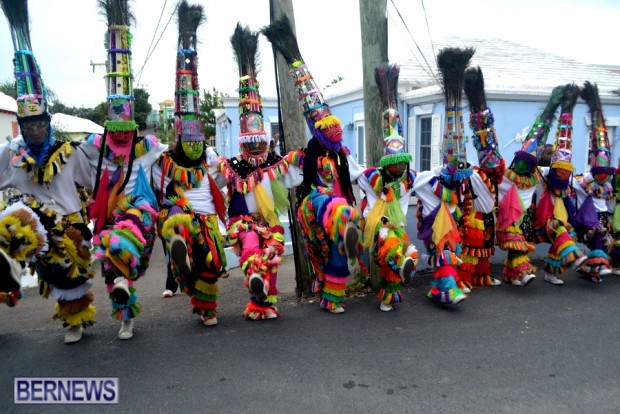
(386,78)
(563,146)
(32,102)
(600,149)
(253,141)
(481,122)
(323,125)
(187,123)
(452,63)
(120,126)
(537,136)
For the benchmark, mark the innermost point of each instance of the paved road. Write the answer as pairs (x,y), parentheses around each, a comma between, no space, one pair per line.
(539,349)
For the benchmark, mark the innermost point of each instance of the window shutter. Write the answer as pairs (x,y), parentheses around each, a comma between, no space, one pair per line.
(411,142)
(436,141)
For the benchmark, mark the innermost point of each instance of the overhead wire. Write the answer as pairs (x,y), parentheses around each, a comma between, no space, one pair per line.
(426,67)
(150,52)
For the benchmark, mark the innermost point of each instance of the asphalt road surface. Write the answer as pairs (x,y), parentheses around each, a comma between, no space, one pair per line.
(506,349)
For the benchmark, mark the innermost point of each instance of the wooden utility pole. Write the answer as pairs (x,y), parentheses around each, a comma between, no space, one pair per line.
(373,21)
(294,126)
(374,38)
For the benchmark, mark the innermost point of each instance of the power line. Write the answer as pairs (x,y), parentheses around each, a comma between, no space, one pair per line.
(157,27)
(428,69)
(150,53)
(428,29)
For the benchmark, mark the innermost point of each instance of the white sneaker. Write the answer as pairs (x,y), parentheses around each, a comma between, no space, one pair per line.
(604,271)
(527,279)
(120,290)
(615,271)
(339,309)
(495,282)
(385,307)
(458,299)
(553,279)
(257,287)
(406,269)
(126,331)
(167,293)
(206,321)
(178,255)
(271,314)
(465,289)
(577,263)
(74,334)
(515,282)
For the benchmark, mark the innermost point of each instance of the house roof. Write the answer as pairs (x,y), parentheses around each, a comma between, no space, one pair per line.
(7,103)
(511,67)
(73,124)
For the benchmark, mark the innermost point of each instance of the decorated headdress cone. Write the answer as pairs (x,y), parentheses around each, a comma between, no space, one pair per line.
(31,92)
(537,136)
(253,140)
(323,125)
(187,93)
(563,146)
(481,122)
(452,63)
(120,123)
(600,150)
(386,77)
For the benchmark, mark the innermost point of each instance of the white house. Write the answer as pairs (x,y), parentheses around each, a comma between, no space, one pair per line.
(8,121)
(518,81)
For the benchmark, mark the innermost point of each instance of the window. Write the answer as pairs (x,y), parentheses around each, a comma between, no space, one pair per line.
(426,128)
(361,149)
(275,131)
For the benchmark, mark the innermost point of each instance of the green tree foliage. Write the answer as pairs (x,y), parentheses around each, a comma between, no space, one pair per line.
(209,101)
(142,107)
(8,88)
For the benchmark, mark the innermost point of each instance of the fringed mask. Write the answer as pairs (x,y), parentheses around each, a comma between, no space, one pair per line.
(254,148)
(36,130)
(559,176)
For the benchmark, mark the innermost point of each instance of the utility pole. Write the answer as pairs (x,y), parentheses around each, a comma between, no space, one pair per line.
(96,64)
(374,38)
(294,128)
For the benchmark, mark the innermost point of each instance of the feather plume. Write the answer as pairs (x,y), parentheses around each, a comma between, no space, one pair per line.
(589,93)
(548,114)
(569,99)
(116,12)
(16,12)
(245,47)
(474,90)
(282,37)
(386,77)
(189,18)
(452,63)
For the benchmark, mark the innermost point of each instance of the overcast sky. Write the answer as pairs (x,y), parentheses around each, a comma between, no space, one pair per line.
(67,35)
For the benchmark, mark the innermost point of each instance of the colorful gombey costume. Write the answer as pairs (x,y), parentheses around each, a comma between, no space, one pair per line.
(328,220)
(257,180)
(479,234)
(44,227)
(124,207)
(22,238)
(595,194)
(388,190)
(515,218)
(191,202)
(556,210)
